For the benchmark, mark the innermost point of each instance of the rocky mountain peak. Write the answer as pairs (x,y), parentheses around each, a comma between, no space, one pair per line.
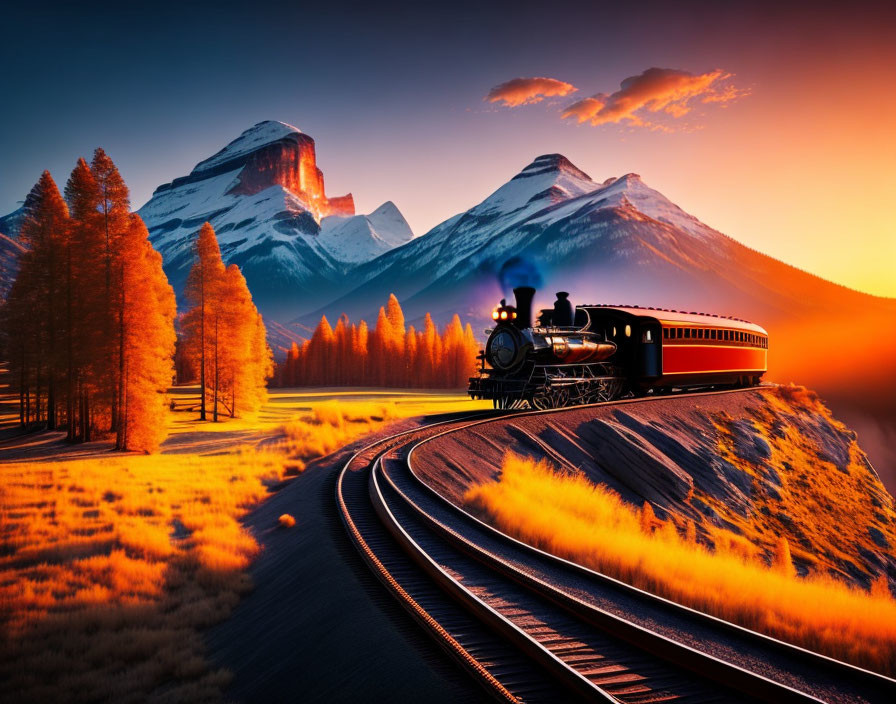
(269,154)
(548,163)
(256,137)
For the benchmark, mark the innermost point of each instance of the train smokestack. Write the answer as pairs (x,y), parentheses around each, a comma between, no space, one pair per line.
(562,310)
(524,296)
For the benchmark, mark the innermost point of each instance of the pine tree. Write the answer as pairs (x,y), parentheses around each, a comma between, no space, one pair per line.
(200,323)
(379,349)
(361,354)
(86,305)
(244,361)
(114,208)
(410,361)
(32,306)
(145,339)
(393,344)
(429,353)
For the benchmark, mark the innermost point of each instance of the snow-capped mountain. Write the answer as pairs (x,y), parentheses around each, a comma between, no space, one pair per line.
(265,197)
(616,241)
(360,238)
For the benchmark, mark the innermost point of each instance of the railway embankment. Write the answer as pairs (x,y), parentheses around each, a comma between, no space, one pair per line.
(762,464)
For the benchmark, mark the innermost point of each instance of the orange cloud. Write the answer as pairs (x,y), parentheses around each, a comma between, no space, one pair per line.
(657,90)
(525,91)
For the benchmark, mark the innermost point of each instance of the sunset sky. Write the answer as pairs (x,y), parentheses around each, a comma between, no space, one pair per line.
(775,125)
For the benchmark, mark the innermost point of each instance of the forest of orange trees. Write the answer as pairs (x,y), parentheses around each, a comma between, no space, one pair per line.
(89,323)
(389,355)
(91,331)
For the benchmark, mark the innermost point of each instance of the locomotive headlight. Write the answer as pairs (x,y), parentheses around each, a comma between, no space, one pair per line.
(503,315)
(513,316)
(495,314)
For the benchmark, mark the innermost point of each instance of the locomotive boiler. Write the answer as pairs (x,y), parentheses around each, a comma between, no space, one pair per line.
(594,353)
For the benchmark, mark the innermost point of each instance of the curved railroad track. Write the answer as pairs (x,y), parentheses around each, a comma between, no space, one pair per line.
(533,627)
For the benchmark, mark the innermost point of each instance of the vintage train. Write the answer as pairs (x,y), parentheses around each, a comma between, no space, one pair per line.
(596,353)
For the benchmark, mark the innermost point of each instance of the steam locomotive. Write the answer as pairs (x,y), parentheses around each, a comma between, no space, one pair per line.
(594,353)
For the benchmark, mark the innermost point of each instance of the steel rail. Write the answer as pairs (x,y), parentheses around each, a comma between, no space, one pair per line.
(864,677)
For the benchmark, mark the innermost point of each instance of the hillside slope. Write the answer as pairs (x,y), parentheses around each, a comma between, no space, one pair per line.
(762,464)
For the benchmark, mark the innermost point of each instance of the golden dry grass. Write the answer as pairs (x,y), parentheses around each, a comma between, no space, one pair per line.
(590,524)
(809,496)
(112,563)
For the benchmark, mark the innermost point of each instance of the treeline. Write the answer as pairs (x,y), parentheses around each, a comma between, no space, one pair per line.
(390,355)
(89,323)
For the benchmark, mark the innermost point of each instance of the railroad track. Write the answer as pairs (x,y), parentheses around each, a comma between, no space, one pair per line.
(533,627)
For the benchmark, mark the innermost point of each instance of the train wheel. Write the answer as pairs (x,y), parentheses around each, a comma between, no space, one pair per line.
(553,398)
(506,403)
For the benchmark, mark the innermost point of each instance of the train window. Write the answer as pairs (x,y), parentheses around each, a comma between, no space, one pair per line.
(628,330)
(679,333)
(727,334)
(665,333)
(647,336)
(687,332)
(614,331)
(712,334)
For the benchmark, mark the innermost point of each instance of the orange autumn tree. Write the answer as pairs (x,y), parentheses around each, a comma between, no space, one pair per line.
(34,322)
(144,339)
(90,303)
(114,207)
(223,334)
(390,355)
(244,359)
(88,390)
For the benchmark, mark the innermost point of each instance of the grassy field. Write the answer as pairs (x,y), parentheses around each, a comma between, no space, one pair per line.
(111,563)
(590,524)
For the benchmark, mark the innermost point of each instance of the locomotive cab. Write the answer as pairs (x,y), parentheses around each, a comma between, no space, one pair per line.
(638,339)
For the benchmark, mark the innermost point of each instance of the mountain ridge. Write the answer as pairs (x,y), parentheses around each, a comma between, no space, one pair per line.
(264,195)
